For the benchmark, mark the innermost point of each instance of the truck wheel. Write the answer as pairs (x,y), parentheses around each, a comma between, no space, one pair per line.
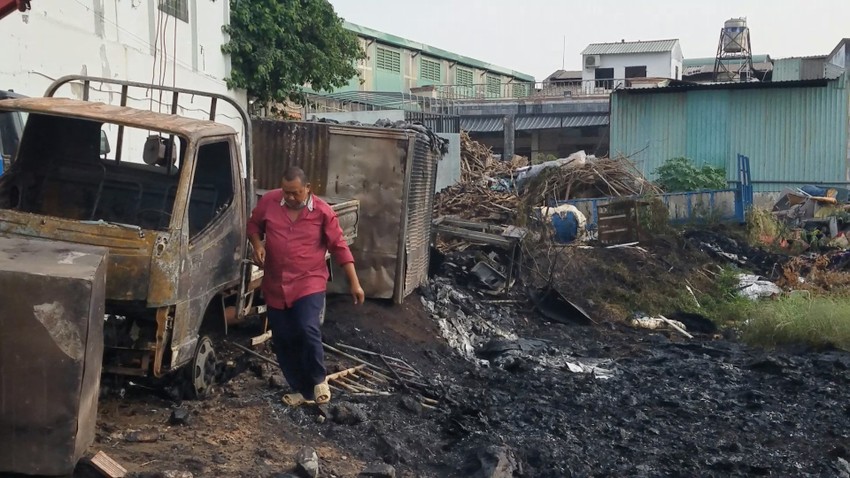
(202,370)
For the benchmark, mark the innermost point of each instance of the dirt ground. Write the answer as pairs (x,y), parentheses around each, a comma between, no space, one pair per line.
(658,405)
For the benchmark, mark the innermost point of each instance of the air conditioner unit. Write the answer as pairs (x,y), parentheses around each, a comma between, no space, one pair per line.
(592,61)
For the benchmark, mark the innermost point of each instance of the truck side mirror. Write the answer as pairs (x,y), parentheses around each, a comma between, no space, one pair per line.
(104,144)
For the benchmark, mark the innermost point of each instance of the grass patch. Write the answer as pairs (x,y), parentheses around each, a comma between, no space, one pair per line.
(723,304)
(817,322)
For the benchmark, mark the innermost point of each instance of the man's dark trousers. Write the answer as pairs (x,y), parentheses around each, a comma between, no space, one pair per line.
(298,343)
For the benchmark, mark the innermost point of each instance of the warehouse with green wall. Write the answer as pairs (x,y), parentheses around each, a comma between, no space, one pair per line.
(395,64)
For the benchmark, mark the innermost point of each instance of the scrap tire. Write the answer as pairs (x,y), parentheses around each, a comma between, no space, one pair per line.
(201,371)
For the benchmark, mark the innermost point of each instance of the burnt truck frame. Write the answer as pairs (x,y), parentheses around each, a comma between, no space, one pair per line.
(175,229)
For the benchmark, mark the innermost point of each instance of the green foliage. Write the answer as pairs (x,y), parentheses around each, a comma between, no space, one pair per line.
(278,46)
(723,304)
(681,175)
(817,322)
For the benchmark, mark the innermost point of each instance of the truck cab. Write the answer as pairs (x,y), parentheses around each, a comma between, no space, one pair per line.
(170,201)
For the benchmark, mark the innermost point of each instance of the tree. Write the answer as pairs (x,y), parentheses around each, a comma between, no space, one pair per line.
(278,46)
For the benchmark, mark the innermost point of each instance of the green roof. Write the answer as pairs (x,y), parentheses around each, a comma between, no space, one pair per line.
(393,40)
(689,62)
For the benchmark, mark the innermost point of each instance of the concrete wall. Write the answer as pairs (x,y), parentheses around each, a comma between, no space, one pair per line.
(118,39)
(657,65)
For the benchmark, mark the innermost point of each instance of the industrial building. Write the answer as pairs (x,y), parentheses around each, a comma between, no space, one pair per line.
(395,64)
(794,132)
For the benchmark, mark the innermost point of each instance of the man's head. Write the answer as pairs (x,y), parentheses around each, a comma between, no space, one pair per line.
(296,189)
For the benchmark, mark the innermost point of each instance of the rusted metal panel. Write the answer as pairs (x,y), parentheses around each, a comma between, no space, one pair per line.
(192,129)
(50,352)
(130,249)
(420,204)
(280,144)
(371,170)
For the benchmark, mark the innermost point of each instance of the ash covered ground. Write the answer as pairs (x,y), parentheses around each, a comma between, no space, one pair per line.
(518,395)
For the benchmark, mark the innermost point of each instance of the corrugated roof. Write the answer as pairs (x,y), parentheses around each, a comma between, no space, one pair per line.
(620,48)
(529,123)
(564,75)
(701,69)
(690,62)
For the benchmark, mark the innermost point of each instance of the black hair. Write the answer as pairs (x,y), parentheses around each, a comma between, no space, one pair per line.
(294,172)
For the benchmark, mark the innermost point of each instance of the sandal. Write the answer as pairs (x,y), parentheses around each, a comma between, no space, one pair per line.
(322,393)
(295,400)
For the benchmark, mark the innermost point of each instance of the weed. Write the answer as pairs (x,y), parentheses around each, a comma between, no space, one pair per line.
(817,322)
(722,303)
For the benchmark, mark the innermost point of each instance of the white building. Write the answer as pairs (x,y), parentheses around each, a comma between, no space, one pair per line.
(175,42)
(610,63)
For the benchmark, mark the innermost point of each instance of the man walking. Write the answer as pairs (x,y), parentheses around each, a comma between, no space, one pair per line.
(299,229)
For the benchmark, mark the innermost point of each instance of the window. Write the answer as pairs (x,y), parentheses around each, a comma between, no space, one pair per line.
(463,77)
(389,60)
(636,72)
(63,156)
(605,78)
(494,86)
(520,90)
(676,74)
(430,71)
(212,188)
(176,8)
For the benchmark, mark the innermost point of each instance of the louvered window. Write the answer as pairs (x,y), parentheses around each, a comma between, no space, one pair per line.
(494,86)
(389,60)
(520,90)
(430,70)
(464,77)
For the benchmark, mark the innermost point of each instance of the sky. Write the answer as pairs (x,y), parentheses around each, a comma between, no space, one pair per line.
(529,35)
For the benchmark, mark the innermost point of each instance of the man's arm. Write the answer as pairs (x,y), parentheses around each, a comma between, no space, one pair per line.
(341,253)
(256,228)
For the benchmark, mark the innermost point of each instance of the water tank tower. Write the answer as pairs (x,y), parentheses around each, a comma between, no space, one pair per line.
(734,61)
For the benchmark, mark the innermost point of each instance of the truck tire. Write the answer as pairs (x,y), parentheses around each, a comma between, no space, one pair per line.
(201,371)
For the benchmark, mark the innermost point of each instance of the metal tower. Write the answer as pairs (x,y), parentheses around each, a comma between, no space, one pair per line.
(734,61)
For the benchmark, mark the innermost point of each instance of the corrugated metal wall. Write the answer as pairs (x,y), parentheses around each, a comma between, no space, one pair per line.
(420,207)
(280,144)
(790,134)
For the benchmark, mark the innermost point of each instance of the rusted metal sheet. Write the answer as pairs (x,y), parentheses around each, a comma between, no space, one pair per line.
(371,170)
(51,347)
(420,204)
(192,129)
(280,144)
(129,260)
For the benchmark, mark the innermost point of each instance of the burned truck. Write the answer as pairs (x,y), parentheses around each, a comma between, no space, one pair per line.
(169,200)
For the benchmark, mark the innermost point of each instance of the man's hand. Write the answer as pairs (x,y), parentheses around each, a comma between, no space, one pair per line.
(356,291)
(260,255)
(358,294)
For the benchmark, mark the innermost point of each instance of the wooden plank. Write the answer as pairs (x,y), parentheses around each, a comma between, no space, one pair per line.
(107,466)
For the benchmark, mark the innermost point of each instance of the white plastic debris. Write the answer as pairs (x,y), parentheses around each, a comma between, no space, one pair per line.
(754,287)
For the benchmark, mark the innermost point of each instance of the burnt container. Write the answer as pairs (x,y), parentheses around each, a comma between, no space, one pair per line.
(51,347)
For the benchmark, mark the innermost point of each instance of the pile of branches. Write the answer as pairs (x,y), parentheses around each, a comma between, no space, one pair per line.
(474,196)
(603,177)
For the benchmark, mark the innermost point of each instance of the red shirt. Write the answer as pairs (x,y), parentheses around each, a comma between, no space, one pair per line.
(295,264)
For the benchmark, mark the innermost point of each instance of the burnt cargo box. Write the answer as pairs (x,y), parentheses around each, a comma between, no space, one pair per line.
(51,347)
